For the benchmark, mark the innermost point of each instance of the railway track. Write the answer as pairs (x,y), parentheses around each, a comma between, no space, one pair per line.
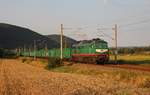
(122,66)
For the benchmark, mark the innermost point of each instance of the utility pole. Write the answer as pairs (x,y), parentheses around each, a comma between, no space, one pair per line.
(116,42)
(61,42)
(46,50)
(24,49)
(29,51)
(18,51)
(34,49)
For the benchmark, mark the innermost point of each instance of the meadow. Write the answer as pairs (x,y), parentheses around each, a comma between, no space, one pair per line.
(116,81)
(135,59)
(112,81)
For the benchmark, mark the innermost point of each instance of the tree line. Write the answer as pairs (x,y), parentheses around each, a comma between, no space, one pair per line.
(133,50)
(5,53)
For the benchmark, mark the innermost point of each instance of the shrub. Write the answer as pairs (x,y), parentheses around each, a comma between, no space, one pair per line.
(121,61)
(4,53)
(54,62)
(23,60)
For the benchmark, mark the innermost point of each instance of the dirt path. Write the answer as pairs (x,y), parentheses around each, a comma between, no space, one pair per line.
(123,66)
(17,78)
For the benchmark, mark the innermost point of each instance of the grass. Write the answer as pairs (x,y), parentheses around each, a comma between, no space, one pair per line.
(113,81)
(106,80)
(125,80)
(94,70)
(84,69)
(133,59)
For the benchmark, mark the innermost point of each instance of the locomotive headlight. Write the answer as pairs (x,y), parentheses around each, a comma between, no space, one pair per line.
(101,50)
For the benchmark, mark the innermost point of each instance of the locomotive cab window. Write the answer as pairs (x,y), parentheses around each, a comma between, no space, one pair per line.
(101,45)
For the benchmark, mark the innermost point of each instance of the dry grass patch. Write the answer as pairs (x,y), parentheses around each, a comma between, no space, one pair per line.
(120,81)
(18,78)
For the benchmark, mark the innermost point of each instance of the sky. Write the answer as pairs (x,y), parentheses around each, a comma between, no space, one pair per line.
(83,19)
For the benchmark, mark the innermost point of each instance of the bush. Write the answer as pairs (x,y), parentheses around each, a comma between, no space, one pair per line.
(121,61)
(24,60)
(4,53)
(54,62)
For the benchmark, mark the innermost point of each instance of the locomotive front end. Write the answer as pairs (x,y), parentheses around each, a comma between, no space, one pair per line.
(102,56)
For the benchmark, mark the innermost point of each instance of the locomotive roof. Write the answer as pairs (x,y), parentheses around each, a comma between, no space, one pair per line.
(83,42)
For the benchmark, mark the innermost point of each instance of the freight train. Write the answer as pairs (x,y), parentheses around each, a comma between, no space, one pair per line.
(89,51)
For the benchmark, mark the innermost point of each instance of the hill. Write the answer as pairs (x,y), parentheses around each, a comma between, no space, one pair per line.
(12,37)
(68,42)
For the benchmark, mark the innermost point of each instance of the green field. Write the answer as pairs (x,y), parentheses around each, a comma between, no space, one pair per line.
(133,59)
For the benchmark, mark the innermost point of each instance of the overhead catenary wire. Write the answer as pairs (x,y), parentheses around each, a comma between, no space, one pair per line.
(79,31)
(105,34)
(135,23)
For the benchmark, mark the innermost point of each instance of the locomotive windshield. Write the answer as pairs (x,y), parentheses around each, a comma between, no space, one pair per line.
(101,45)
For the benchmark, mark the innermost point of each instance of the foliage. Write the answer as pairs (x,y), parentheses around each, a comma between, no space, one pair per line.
(54,62)
(24,60)
(133,50)
(7,53)
(1,52)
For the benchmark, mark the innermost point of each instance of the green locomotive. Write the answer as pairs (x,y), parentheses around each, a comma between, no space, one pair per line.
(95,50)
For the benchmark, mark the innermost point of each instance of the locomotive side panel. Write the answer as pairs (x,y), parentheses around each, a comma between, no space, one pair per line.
(94,51)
